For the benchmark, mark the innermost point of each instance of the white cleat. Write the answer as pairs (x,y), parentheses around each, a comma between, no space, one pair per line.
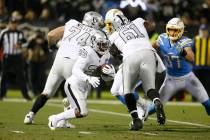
(143,108)
(52,122)
(65,124)
(29,118)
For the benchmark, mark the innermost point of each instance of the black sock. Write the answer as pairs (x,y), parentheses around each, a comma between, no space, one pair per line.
(131,104)
(152,94)
(39,103)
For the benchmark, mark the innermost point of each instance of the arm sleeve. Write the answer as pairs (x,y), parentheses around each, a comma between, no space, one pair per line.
(80,65)
(1,40)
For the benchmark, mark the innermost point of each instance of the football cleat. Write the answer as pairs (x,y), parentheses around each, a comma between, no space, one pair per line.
(65,124)
(142,108)
(136,125)
(29,118)
(160,112)
(52,122)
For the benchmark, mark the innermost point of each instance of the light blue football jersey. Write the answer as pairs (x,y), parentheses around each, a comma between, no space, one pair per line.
(176,65)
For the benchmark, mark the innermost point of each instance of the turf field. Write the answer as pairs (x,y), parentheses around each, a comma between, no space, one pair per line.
(107,120)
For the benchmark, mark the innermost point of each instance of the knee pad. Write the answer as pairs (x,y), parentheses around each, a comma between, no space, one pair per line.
(206,104)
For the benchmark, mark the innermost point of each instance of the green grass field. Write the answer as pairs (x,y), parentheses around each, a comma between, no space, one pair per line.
(106,121)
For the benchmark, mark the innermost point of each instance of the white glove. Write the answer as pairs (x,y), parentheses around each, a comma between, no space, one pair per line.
(109,70)
(94,81)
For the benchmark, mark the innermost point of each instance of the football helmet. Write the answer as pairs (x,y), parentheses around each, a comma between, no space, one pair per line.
(100,42)
(178,26)
(93,19)
(109,18)
(118,21)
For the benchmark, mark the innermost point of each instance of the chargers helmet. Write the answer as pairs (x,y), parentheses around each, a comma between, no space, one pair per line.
(176,24)
(109,19)
(93,19)
(100,42)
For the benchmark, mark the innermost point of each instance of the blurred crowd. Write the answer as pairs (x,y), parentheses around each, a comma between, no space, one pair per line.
(44,12)
(37,17)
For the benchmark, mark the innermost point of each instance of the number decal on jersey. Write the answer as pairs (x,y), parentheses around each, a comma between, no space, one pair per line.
(83,39)
(173,61)
(73,31)
(93,70)
(83,53)
(131,32)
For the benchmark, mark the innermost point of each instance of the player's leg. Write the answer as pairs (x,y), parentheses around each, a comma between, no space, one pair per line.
(117,88)
(130,77)
(195,87)
(65,123)
(53,81)
(78,102)
(167,90)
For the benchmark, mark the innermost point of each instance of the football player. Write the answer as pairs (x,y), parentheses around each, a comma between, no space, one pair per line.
(178,58)
(73,36)
(84,74)
(117,86)
(139,62)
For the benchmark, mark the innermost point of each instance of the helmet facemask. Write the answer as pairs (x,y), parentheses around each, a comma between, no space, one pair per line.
(175,29)
(100,42)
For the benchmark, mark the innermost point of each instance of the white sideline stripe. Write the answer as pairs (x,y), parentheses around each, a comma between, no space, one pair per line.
(127,115)
(110,102)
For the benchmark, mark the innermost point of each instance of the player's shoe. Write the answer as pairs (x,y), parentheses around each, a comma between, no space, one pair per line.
(160,112)
(136,125)
(65,124)
(29,118)
(142,109)
(52,122)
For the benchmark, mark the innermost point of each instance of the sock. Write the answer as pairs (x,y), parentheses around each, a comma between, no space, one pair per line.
(121,98)
(152,94)
(151,109)
(136,95)
(131,104)
(39,103)
(66,114)
(206,104)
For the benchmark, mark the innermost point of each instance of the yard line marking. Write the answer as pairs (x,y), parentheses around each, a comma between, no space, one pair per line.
(114,102)
(150,118)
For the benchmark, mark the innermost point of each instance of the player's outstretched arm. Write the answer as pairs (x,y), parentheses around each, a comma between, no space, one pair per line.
(189,54)
(54,35)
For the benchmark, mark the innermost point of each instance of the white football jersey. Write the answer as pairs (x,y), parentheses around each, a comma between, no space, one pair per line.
(75,35)
(131,37)
(87,61)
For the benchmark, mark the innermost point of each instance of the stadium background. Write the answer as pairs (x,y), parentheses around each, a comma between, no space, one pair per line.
(37,17)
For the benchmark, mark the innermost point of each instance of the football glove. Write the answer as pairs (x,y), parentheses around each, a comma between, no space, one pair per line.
(94,81)
(109,70)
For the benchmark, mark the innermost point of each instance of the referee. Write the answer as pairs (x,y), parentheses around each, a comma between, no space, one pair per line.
(202,56)
(11,40)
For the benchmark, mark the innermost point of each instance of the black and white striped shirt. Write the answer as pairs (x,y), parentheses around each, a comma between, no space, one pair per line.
(8,39)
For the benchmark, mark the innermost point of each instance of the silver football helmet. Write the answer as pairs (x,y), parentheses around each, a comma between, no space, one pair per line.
(178,26)
(109,19)
(100,42)
(93,19)
(118,21)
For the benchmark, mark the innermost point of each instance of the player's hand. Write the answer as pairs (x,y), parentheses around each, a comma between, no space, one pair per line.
(94,81)
(109,70)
